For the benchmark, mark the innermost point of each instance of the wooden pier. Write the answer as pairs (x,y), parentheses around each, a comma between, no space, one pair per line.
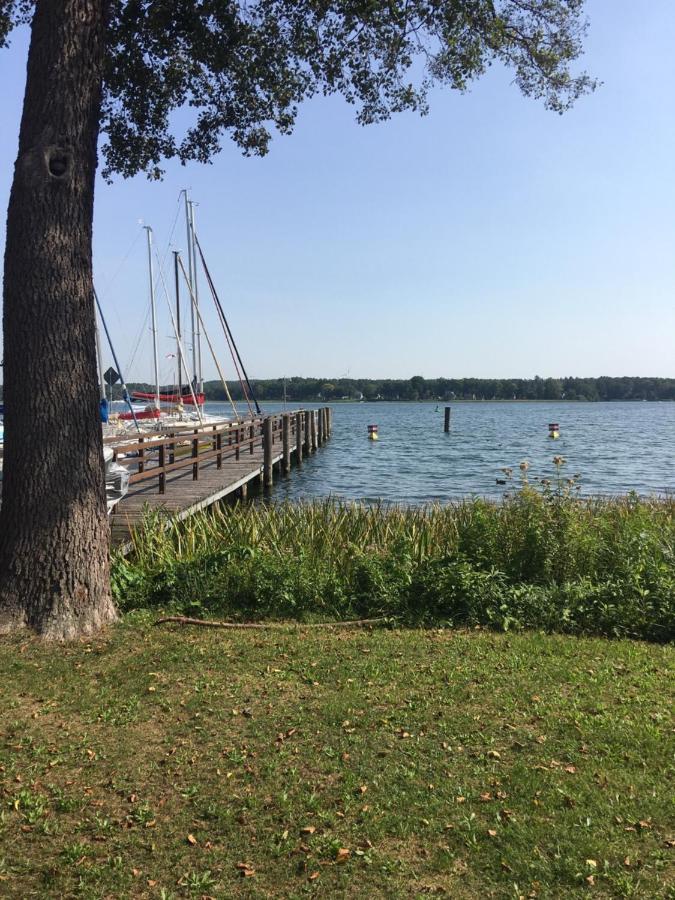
(180,472)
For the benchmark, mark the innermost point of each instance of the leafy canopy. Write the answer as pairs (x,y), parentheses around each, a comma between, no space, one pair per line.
(244,66)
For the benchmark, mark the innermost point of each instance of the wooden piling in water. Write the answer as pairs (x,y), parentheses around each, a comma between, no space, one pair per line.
(446,424)
(268,476)
(298,438)
(312,421)
(286,443)
(308,432)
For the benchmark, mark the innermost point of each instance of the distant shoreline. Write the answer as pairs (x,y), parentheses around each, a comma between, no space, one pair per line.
(454,402)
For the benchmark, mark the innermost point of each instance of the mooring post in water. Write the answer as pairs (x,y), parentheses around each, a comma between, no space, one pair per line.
(329,416)
(298,438)
(286,442)
(308,432)
(268,476)
(319,430)
(314,438)
(446,425)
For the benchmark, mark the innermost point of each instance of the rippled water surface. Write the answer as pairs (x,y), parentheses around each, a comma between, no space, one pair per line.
(616,447)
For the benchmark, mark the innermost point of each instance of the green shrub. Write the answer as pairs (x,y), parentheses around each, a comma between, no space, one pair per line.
(542,559)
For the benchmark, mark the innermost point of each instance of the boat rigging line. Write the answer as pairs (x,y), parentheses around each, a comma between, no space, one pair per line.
(228,334)
(208,340)
(125,392)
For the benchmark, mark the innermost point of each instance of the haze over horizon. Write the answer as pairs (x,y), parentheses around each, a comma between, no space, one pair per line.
(490,239)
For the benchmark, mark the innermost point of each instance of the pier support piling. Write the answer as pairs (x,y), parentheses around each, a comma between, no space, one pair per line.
(308,432)
(268,476)
(286,443)
(298,438)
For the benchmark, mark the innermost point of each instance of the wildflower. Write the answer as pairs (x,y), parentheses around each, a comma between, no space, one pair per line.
(558,461)
(508,472)
(524,466)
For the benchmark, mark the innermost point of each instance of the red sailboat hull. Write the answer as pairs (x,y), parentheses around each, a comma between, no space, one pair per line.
(143,414)
(185,399)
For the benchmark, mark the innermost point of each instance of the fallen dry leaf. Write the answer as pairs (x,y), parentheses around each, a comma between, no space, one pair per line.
(308,829)
(342,855)
(245,870)
(191,839)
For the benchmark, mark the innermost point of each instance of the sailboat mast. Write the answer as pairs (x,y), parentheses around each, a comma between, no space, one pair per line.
(195,294)
(153,312)
(179,379)
(190,248)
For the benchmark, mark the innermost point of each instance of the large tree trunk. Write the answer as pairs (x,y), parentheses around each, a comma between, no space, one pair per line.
(53,525)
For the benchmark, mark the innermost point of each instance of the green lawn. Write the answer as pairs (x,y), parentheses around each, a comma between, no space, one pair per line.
(290,763)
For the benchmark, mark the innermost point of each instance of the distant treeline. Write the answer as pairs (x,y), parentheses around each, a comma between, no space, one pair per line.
(445,389)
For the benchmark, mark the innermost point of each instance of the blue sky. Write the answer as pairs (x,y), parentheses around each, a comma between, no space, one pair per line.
(490,238)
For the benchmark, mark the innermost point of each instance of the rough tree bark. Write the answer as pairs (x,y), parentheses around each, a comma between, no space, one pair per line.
(53,523)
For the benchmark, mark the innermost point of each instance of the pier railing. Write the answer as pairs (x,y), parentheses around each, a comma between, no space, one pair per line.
(282,437)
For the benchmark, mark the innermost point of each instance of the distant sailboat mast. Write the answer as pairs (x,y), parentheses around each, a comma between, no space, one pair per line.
(179,379)
(195,292)
(153,314)
(197,378)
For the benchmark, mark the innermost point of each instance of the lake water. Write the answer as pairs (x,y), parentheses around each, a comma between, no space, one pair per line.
(616,447)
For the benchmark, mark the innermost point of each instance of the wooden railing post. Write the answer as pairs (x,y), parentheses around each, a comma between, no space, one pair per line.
(162,473)
(219,448)
(252,436)
(172,451)
(286,443)
(141,456)
(237,439)
(268,476)
(195,456)
(298,438)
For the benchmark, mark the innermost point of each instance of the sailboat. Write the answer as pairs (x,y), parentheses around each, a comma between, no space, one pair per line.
(183,402)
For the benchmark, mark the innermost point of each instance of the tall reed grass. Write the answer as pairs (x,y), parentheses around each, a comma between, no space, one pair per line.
(541,559)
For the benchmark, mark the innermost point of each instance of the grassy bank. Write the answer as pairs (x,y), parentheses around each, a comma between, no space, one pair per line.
(385,763)
(542,559)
